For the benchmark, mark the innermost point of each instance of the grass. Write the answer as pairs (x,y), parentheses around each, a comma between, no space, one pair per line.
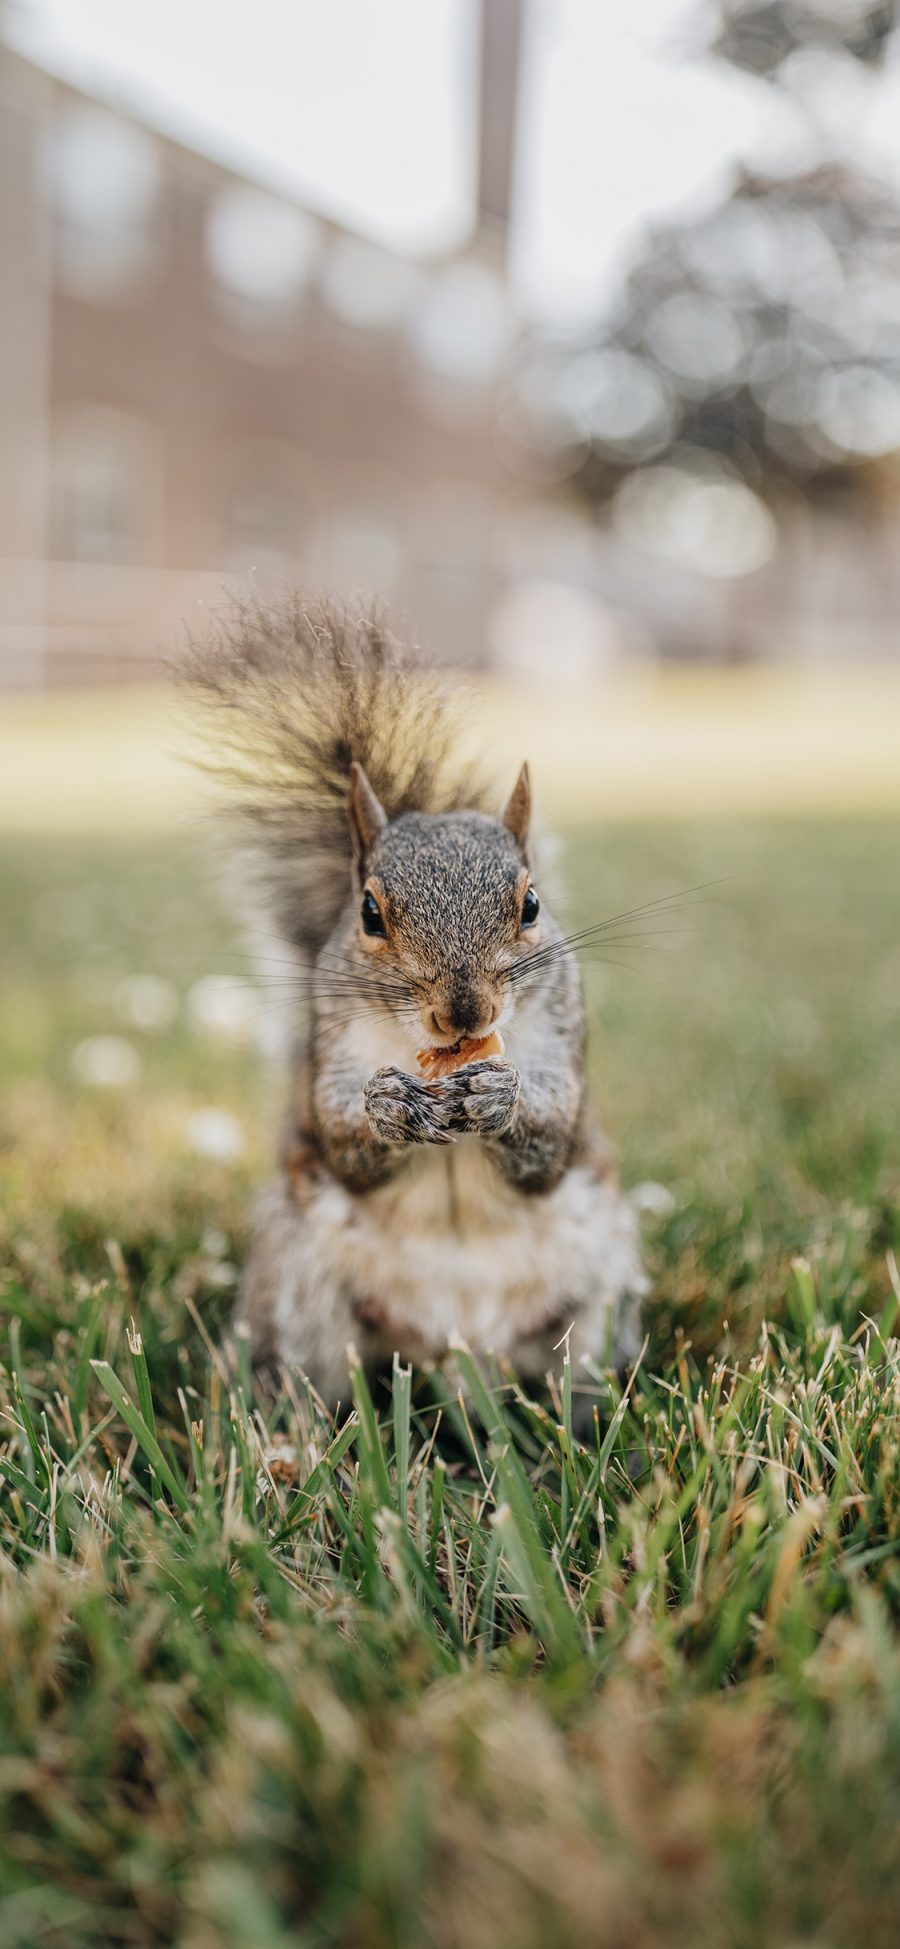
(646,739)
(439,1675)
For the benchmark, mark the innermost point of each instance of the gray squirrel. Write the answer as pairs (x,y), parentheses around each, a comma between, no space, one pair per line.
(412,1207)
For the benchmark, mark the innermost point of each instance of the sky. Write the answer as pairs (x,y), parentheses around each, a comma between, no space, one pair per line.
(368,109)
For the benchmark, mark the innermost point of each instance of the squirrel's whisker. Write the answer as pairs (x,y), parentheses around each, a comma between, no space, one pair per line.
(555,951)
(667,903)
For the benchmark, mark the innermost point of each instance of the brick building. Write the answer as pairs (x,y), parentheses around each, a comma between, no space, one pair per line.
(201,380)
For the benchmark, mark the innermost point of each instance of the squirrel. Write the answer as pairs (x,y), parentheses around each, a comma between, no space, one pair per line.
(410,1210)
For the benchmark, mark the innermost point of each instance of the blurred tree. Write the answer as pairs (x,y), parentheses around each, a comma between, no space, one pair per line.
(760,35)
(761,339)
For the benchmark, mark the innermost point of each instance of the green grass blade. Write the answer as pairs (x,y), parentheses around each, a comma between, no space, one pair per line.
(141,1377)
(300,1508)
(371,1451)
(144,1436)
(402,1411)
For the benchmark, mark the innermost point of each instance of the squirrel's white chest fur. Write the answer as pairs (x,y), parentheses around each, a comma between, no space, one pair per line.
(452,1250)
(448,1248)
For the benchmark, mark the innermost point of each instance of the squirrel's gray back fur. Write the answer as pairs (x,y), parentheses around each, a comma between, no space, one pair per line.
(291,692)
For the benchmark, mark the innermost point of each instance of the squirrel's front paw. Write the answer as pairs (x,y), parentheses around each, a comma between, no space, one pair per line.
(403,1110)
(484,1096)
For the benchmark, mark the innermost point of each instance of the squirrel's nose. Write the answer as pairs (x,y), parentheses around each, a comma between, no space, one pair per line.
(469,1014)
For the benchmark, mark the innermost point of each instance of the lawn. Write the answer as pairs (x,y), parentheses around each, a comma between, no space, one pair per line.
(439,1676)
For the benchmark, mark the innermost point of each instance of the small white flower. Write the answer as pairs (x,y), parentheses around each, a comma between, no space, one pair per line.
(106,1062)
(220,1275)
(215,1133)
(655,1198)
(148,1002)
(214,1243)
(223,1006)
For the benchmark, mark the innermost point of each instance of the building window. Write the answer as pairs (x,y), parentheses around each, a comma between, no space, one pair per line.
(365,287)
(268,508)
(105,188)
(261,252)
(107,488)
(364,552)
(452,538)
(460,332)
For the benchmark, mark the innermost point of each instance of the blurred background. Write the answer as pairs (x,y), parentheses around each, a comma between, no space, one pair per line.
(572,330)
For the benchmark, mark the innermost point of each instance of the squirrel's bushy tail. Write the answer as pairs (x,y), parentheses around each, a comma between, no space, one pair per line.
(290,693)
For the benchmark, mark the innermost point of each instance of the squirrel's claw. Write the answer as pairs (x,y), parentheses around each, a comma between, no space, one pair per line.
(404,1110)
(484,1096)
(481,1097)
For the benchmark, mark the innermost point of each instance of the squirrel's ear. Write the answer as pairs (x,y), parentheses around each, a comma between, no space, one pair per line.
(367,814)
(518,808)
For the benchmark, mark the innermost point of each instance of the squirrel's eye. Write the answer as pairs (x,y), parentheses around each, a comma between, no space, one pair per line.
(370,915)
(531,907)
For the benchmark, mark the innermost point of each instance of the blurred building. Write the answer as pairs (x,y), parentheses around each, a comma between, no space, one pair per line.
(202,381)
